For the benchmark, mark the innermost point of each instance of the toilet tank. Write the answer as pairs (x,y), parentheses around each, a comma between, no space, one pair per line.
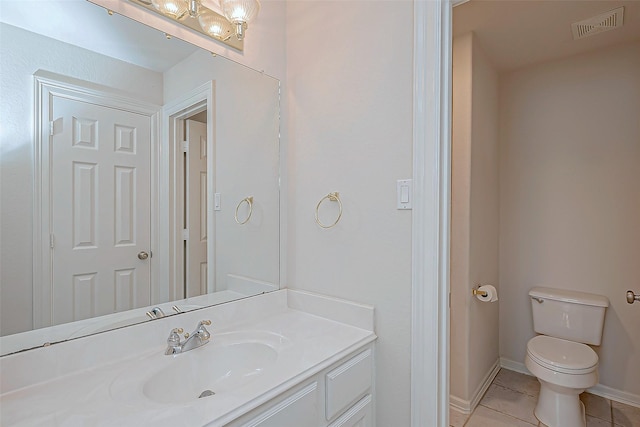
(571,315)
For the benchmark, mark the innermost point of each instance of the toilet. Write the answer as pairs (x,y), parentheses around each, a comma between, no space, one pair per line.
(559,357)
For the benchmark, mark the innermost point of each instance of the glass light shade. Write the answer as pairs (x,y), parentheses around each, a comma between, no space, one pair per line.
(240,11)
(213,24)
(173,8)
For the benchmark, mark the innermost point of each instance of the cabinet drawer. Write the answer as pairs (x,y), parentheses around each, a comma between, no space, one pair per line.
(299,408)
(348,383)
(359,415)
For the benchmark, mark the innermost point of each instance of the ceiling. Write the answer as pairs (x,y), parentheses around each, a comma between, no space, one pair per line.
(517,33)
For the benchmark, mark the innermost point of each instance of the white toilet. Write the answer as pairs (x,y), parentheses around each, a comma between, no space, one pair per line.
(560,358)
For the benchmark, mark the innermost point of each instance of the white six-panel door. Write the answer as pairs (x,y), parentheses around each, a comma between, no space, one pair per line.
(100,210)
(196,203)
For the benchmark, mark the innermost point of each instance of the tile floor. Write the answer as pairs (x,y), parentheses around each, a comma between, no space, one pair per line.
(511,399)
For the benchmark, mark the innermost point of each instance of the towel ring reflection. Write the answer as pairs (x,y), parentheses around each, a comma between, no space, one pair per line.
(249,201)
(332,197)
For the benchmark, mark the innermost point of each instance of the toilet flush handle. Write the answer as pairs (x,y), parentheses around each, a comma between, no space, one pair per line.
(631,297)
(540,300)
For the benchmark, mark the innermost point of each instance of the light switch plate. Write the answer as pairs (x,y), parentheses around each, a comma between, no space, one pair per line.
(404,193)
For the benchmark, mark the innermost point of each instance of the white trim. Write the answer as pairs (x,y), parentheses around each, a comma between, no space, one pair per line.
(615,394)
(512,365)
(46,86)
(173,114)
(467,406)
(599,389)
(430,220)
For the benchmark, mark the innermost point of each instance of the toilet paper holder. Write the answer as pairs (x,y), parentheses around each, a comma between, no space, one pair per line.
(477,291)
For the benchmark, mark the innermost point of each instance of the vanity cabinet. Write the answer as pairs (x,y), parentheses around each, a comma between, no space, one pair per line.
(338,396)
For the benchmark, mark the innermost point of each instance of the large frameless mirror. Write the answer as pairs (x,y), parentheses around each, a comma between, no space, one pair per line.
(139,174)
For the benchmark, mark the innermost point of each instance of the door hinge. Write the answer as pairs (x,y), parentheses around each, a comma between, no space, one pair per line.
(51,128)
(185,234)
(185,146)
(52,241)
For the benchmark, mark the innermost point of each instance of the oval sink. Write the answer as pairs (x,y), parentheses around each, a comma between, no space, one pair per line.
(230,361)
(211,368)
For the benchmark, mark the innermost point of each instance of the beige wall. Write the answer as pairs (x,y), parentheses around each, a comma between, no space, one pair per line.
(570,197)
(350,130)
(484,224)
(474,227)
(460,212)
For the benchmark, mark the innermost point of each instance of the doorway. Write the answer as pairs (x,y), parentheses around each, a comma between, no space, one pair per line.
(191,146)
(93,201)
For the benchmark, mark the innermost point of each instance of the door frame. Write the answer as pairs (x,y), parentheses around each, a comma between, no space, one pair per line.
(46,86)
(173,115)
(432,35)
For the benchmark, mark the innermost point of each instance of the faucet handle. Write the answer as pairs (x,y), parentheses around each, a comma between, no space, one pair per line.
(204,334)
(173,342)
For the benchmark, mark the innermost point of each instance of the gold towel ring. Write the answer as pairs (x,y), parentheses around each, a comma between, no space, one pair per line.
(332,197)
(249,201)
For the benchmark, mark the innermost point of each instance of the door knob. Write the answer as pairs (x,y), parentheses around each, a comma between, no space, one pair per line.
(143,255)
(631,297)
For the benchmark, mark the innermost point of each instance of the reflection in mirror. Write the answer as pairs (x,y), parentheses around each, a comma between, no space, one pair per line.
(125,158)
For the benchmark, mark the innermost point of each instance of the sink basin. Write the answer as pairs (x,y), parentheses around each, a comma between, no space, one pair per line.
(230,361)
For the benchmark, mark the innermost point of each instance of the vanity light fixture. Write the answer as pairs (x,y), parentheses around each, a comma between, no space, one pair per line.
(237,15)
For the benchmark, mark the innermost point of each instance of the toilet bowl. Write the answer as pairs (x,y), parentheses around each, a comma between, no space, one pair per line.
(564,369)
(559,357)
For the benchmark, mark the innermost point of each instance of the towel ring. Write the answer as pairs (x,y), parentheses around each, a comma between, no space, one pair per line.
(332,197)
(249,201)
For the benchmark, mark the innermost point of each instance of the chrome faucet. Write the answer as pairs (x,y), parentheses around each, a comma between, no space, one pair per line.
(198,338)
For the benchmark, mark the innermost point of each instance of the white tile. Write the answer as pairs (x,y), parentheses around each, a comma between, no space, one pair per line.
(597,422)
(457,419)
(510,402)
(486,417)
(596,406)
(516,381)
(625,415)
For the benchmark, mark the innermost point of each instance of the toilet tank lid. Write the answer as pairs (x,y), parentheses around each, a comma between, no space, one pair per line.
(569,296)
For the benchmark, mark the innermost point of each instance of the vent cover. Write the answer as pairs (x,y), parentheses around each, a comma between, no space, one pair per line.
(598,24)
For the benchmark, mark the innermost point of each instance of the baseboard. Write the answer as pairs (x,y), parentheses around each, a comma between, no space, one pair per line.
(617,395)
(599,389)
(514,366)
(467,406)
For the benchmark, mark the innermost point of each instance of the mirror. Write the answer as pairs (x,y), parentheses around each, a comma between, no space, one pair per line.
(197,217)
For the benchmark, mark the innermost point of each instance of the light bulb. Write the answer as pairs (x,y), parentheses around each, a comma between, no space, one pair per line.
(213,24)
(240,13)
(172,8)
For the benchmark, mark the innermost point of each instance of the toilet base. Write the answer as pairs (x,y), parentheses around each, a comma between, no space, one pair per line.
(560,406)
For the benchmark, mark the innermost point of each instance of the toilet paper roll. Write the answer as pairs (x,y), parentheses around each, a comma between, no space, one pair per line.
(491,293)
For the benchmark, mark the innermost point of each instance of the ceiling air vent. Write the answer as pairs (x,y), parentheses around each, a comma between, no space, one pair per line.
(598,24)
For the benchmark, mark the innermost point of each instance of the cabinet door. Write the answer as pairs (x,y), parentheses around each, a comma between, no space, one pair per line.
(299,408)
(359,415)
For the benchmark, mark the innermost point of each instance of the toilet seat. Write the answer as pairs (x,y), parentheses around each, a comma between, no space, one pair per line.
(563,356)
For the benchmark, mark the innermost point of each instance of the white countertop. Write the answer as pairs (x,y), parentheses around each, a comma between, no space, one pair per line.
(86,395)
